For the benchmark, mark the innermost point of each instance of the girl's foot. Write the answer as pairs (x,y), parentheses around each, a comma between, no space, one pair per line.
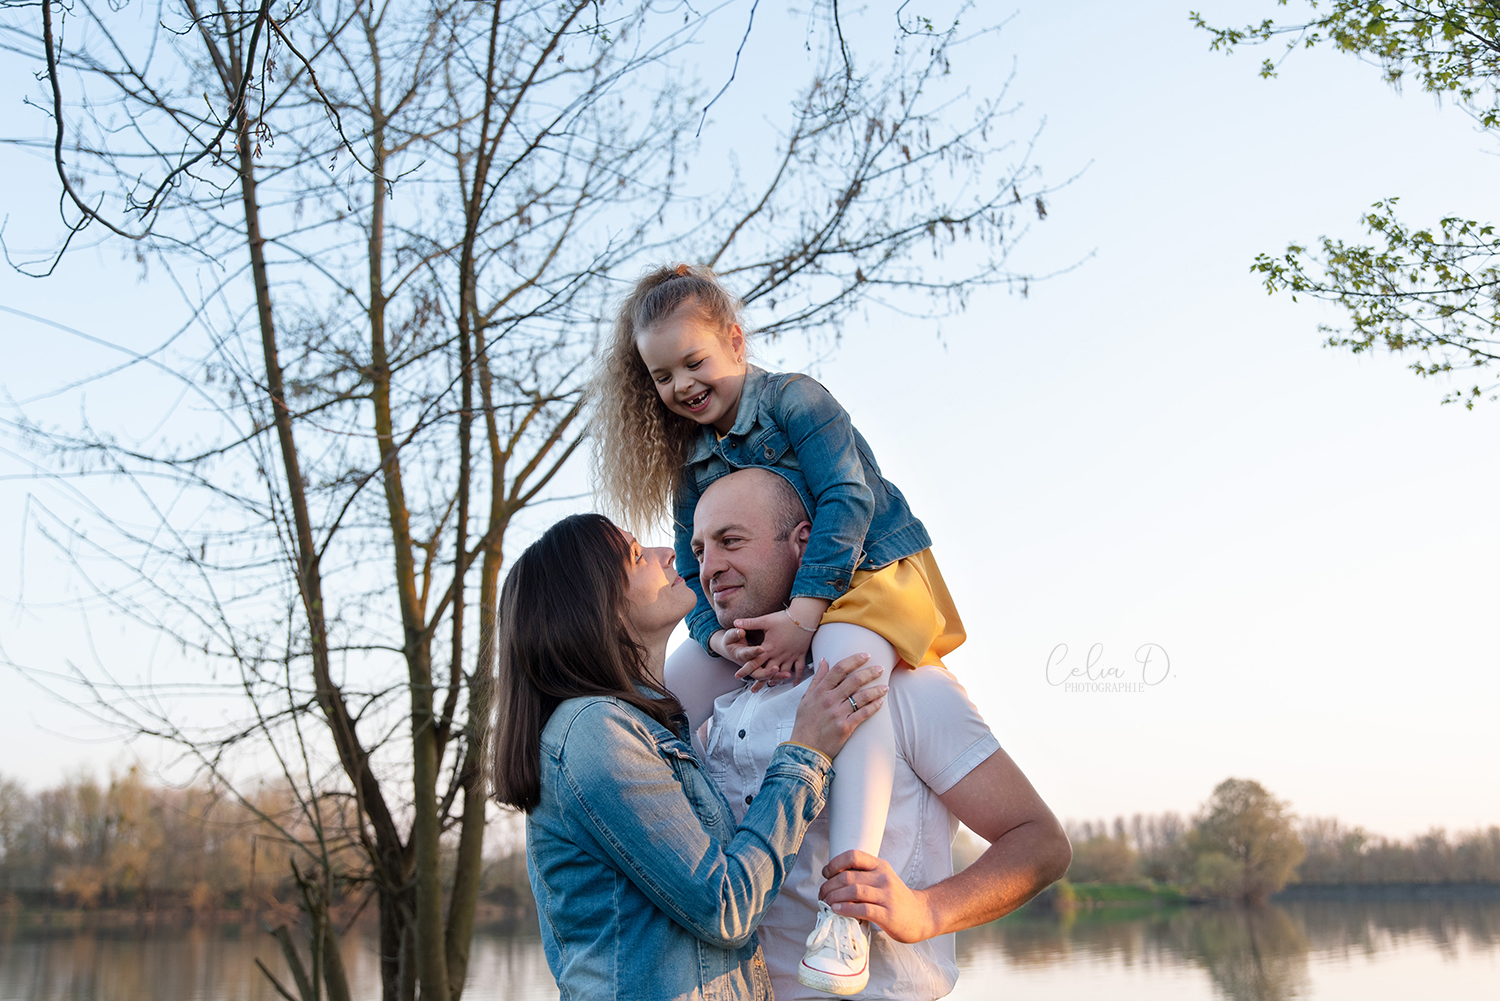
(838,955)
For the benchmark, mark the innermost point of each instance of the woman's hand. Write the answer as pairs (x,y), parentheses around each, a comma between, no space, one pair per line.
(826,716)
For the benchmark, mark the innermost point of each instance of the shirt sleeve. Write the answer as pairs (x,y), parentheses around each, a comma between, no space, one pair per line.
(937,727)
(821,434)
(631,802)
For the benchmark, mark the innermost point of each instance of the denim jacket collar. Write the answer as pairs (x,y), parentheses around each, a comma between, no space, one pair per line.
(744,421)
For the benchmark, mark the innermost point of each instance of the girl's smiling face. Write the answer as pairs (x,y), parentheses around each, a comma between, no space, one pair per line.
(698,368)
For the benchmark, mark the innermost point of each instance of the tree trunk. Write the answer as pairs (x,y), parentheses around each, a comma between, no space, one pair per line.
(391,865)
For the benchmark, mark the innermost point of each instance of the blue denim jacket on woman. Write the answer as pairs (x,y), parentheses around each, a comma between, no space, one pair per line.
(789,424)
(645,886)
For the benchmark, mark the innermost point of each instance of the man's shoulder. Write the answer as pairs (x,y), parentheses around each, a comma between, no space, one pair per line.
(930,683)
(939,731)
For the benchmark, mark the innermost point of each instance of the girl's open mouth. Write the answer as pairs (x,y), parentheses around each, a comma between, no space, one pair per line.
(697,402)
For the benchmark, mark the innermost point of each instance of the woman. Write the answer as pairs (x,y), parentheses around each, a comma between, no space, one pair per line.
(645,886)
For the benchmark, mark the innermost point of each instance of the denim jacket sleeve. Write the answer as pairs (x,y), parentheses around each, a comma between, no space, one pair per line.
(702,623)
(821,434)
(635,809)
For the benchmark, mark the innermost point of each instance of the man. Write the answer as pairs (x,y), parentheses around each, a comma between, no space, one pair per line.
(749,531)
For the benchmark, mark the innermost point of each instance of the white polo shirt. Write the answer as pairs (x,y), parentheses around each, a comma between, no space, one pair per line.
(940,738)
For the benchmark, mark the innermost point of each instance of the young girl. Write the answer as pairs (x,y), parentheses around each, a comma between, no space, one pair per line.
(678,407)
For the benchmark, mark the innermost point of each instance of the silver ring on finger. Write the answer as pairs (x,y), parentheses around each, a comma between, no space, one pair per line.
(853,703)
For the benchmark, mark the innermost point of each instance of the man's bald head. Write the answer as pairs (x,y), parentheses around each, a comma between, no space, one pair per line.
(749,531)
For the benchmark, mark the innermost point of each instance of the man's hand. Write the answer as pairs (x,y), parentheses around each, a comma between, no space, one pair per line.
(862,886)
(1027,851)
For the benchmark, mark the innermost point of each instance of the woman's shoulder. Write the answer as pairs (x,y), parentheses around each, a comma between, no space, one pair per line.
(598,724)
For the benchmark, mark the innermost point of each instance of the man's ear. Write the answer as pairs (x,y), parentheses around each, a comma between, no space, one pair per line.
(800,535)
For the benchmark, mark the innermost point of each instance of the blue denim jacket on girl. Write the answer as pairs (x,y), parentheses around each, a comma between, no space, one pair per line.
(645,886)
(789,424)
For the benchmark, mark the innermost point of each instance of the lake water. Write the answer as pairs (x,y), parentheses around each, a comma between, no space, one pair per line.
(1326,951)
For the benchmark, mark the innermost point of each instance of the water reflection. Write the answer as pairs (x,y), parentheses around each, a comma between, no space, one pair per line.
(1243,954)
(1254,954)
(1371,950)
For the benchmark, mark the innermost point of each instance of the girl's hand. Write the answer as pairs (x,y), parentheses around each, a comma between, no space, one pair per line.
(826,716)
(787,635)
(781,653)
(732,644)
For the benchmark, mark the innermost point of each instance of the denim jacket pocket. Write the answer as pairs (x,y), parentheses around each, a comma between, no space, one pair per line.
(767,448)
(696,785)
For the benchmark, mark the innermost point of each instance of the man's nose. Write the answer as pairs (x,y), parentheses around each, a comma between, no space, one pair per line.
(711,562)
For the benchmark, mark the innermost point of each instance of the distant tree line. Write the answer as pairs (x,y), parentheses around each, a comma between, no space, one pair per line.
(130,843)
(1246,843)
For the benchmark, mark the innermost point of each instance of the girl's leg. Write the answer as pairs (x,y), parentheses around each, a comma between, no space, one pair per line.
(866,767)
(697,679)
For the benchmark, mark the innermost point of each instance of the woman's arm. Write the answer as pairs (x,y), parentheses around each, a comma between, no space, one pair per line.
(619,777)
(633,806)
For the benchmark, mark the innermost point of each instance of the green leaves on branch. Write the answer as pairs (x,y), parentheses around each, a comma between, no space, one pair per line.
(1434,292)
(1449,48)
(1431,292)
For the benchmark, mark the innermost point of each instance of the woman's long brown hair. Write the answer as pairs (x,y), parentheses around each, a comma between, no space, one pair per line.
(562,634)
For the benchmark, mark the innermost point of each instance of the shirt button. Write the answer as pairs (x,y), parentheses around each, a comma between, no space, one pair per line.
(748,799)
(742,734)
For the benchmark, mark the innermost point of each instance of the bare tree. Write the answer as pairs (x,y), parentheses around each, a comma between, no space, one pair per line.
(398,229)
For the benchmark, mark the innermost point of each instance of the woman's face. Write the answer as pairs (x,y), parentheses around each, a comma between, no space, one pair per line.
(658,598)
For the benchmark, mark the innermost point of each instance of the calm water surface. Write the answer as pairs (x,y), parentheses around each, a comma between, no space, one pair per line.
(1326,951)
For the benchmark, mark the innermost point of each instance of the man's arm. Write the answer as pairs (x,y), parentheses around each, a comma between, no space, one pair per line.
(1028,850)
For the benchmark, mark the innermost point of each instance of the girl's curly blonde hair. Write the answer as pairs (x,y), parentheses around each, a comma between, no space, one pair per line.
(640,446)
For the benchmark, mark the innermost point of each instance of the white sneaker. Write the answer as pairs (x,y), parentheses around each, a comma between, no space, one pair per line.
(838,955)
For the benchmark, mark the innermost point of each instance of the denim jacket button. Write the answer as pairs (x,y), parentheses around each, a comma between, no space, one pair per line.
(770,452)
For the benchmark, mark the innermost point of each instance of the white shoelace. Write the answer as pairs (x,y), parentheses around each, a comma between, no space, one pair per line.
(835,935)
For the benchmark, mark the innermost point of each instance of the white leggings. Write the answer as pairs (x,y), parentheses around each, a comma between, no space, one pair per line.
(866,767)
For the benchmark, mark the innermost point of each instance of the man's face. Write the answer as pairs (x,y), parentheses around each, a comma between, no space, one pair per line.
(745,570)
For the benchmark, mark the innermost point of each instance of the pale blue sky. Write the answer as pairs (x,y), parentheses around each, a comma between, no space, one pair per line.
(1147,449)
